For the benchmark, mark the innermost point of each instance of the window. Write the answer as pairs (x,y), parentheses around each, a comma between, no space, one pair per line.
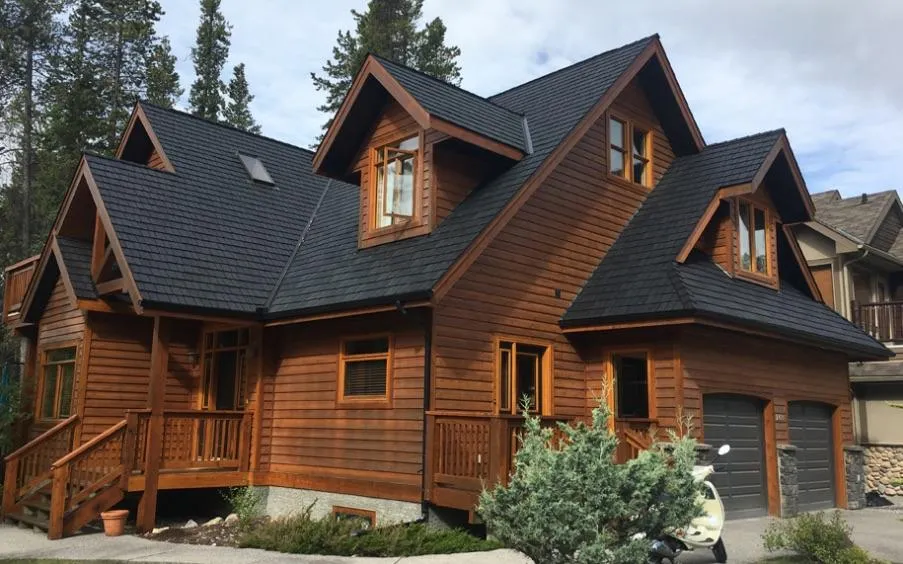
(364,371)
(630,372)
(522,369)
(225,369)
(256,170)
(629,152)
(365,518)
(58,379)
(395,171)
(755,238)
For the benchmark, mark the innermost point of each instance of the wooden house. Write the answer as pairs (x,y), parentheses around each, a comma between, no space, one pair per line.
(357,325)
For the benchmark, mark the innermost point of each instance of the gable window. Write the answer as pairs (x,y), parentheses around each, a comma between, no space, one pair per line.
(364,369)
(632,385)
(754,238)
(57,382)
(630,151)
(523,370)
(395,173)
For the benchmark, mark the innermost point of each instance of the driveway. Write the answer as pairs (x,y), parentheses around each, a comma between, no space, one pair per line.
(880,531)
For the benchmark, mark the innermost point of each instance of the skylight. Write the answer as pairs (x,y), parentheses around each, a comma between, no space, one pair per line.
(256,170)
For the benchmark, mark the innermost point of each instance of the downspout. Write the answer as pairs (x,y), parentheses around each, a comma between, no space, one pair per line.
(848,279)
(427,316)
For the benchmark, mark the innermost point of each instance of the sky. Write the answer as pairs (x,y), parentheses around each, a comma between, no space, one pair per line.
(825,70)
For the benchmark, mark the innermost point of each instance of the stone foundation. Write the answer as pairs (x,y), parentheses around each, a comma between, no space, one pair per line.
(854,466)
(277,501)
(787,480)
(884,469)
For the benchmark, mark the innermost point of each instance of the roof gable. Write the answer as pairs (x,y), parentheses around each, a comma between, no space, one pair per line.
(858,216)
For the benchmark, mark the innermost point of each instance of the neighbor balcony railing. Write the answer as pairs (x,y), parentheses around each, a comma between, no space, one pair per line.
(881,320)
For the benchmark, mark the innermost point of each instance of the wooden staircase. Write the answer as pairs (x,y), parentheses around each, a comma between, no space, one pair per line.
(52,487)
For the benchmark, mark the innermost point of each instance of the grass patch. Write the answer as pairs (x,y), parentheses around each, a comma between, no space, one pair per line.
(301,534)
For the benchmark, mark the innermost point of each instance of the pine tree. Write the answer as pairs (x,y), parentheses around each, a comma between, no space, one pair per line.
(209,56)
(387,28)
(238,111)
(162,79)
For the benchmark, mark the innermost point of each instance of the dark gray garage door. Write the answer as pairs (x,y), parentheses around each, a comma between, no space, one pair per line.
(811,433)
(740,475)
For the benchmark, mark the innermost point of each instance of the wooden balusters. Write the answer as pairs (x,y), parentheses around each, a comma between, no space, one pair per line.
(883,320)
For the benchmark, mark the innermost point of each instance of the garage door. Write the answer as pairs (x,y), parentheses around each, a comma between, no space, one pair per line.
(740,475)
(811,433)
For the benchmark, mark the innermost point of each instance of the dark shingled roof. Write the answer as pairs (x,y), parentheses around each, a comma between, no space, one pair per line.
(77,260)
(852,215)
(640,278)
(461,107)
(207,237)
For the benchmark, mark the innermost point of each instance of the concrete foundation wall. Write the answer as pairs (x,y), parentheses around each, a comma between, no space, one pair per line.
(281,502)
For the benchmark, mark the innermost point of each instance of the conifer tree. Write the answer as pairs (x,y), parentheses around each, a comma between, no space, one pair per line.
(238,111)
(209,56)
(162,79)
(388,28)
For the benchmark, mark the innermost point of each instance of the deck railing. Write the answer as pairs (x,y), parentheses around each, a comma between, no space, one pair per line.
(881,320)
(16,280)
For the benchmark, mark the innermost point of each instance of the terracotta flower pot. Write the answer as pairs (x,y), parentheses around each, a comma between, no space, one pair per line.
(114,522)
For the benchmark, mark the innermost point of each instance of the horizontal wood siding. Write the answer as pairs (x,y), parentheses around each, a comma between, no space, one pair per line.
(718,239)
(554,243)
(308,436)
(456,173)
(718,362)
(156,161)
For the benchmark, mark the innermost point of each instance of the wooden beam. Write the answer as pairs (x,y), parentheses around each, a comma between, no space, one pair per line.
(111,286)
(481,141)
(801,261)
(64,272)
(632,325)
(345,313)
(147,507)
(685,111)
(97,247)
(772,485)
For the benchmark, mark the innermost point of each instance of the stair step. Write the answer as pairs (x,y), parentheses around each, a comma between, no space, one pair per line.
(38,522)
(37,504)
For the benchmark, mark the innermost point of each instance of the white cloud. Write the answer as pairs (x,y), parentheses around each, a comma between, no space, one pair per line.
(826,70)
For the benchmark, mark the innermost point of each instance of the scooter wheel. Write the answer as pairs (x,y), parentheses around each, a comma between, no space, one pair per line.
(720,552)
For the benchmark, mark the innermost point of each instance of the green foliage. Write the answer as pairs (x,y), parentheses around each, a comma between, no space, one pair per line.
(245,502)
(817,538)
(388,28)
(571,502)
(11,411)
(302,534)
(209,56)
(238,111)
(162,79)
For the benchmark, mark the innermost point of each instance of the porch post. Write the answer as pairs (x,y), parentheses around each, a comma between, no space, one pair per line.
(147,507)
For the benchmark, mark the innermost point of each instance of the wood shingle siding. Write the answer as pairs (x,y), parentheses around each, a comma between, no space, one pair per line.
(552,244)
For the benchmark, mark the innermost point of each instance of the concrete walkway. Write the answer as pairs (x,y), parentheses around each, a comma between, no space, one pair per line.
(24,543)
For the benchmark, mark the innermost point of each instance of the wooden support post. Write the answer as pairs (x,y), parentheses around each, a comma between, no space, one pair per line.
(432,454)
(9,483)
(244,442)
(129,448)
(147,507)
(58,493)
(499,451)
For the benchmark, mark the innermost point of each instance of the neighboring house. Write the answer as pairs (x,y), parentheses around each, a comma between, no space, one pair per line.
(854,247)
(357,326)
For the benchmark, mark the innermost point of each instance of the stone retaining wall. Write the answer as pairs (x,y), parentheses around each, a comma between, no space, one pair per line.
(884,469)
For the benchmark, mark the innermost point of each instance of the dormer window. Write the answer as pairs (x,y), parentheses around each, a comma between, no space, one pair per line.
(630,151)
(395,173)
(755,238)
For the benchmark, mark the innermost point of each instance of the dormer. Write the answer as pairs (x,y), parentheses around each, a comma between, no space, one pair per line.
(139,143)
(416,146)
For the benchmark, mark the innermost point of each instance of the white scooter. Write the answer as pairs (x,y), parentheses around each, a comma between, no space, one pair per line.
(705,531)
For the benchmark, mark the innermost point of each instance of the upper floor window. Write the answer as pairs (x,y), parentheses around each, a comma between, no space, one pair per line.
(522,371)
(57,382)
(395,171)
(755,237)
(630,151)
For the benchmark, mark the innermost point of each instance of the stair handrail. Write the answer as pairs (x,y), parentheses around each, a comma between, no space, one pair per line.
(11,489)
(65,514)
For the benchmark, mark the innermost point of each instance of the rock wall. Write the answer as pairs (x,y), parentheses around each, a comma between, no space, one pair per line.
(787,478)
(854,472)
(884,469)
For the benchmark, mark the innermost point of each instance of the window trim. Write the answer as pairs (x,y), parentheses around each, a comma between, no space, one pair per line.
(547,364)
(241,388)
(609,379)
(372,188)
(366,402)
(769,277)
(627,149)
(367,514)
(43,351)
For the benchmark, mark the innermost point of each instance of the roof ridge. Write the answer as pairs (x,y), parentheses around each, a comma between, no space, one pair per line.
(572,65)
(440,81)
(779,130)
(183,113)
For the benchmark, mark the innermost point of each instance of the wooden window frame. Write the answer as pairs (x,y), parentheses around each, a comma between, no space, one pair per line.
(241,390)
(43,352)
(650,383)
(546,363)
(366,402)
(626,149)
(769,277)
(355,512)
(373,188)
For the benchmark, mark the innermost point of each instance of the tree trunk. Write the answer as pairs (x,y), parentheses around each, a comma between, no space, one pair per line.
(27,148)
